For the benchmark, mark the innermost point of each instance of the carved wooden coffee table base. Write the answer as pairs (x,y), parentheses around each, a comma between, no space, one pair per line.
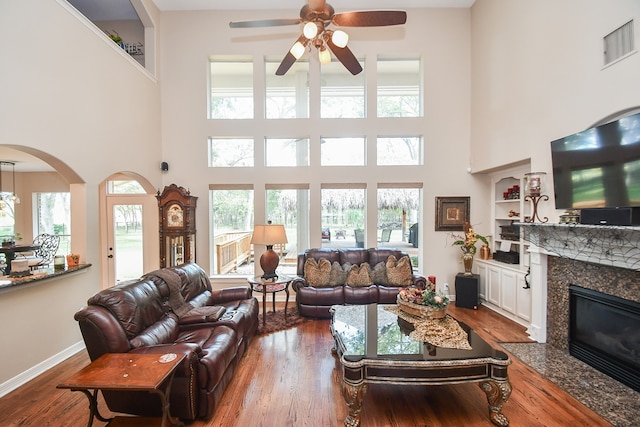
(429,366)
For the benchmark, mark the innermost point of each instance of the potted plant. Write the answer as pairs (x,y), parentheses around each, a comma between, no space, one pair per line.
(467,245)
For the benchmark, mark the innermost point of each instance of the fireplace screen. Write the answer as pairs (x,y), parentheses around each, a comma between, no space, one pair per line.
(604,331)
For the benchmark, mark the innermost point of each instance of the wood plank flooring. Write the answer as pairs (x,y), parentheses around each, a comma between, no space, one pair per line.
(290,378)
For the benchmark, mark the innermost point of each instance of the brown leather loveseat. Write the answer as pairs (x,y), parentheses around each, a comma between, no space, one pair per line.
(329,277)
(173,310)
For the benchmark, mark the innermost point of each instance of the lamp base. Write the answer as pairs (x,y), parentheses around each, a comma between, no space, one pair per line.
(269,262)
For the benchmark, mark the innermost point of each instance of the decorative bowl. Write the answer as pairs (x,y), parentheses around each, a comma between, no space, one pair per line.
(421,311)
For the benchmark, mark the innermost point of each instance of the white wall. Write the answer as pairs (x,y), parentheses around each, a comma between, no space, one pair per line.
(67,90)
(538,76)
(440,36)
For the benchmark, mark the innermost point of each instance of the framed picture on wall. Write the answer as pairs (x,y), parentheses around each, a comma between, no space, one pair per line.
(451,213)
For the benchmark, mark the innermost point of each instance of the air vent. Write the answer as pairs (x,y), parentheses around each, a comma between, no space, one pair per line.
(618,43)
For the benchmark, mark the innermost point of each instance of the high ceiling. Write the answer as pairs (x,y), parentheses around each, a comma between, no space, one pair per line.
(114,10)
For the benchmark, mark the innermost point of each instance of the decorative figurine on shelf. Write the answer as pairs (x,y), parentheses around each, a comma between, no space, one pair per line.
(533,191)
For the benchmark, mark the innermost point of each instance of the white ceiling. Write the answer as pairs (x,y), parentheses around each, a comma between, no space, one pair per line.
(114,10)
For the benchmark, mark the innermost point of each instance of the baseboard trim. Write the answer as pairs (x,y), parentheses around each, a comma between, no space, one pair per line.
(31,373)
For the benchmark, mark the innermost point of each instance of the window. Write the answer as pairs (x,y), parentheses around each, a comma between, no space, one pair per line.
(231,82)
(342,151)
(287,96)
(400,151)
(7,216)
(290,207)
(287,152)
(341,93)
(231,152)
(232,219)
(52,216)
(343,217)
(398,215)
(399,88)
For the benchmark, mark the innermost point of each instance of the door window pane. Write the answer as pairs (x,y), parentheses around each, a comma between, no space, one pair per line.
(287,152)
(342,151)
(231,85)
(343,217)
(231,152)
(341,93)
(399,88)
(287,96)
(129,248)
(232,221)
(400,150)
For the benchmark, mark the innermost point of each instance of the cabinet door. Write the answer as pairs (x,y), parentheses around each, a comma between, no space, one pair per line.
(482,271)
(524,299)
(508,284)
(493,286)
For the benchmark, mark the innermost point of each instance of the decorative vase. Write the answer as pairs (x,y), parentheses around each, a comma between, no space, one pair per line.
(485,252)
(467,260)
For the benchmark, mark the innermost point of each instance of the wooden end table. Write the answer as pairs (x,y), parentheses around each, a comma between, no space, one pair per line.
(270,286)
(127,372)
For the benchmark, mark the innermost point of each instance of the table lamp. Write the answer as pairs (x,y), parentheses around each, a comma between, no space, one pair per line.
(269,235)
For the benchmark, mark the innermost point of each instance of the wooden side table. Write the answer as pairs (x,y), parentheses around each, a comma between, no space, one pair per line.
(127,372)
(270,286)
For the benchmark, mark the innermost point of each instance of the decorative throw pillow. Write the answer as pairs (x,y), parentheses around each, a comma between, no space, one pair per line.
(399,272)
(339,273)
(359,275)
(317,272)
(379,274)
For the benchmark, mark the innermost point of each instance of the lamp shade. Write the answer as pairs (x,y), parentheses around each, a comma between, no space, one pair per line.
(268,234)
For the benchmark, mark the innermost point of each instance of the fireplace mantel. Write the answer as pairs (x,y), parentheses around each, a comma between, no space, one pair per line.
(614,246)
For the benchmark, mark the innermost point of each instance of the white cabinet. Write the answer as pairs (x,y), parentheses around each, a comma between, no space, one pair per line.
(493,285)
(502,289)
(508,290)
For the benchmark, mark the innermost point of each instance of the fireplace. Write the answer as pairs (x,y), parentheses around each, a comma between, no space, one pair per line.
(604,332)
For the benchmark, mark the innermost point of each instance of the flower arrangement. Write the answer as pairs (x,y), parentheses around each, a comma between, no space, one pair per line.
(428,298)
(468,242)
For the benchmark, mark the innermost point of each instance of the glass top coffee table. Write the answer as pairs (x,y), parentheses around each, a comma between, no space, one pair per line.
(374,346)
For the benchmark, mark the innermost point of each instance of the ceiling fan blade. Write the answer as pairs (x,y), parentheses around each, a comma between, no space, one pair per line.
(371,18)
(346,57)
(264,23)
(286,63)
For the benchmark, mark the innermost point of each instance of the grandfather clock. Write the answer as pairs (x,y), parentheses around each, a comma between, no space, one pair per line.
(177,226)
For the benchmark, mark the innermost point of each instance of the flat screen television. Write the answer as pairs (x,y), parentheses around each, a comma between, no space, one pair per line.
(599,167)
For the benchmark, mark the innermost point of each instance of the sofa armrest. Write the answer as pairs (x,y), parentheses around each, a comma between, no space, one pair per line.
(219,296)
(298,282)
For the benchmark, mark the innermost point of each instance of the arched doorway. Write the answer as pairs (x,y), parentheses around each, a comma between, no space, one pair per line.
(129,231)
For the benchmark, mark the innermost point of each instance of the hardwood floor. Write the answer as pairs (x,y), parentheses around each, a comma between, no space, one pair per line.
(290,378)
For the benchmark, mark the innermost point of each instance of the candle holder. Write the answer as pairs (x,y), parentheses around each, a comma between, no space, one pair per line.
(533,191)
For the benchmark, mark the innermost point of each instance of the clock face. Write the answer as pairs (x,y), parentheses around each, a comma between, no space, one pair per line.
(175,217)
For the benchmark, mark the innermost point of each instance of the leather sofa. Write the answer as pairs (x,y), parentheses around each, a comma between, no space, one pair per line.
(173,310)
(313,300)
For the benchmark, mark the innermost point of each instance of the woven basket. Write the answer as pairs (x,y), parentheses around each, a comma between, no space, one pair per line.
(421,311)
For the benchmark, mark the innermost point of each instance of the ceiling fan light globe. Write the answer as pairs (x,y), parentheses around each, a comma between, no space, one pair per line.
(340,38)
(310,30)
(297,50)
(324,56)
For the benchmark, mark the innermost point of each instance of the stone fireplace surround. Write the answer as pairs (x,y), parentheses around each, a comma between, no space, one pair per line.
(562,272)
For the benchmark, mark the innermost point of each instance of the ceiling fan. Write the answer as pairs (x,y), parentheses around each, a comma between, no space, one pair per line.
(317,16)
